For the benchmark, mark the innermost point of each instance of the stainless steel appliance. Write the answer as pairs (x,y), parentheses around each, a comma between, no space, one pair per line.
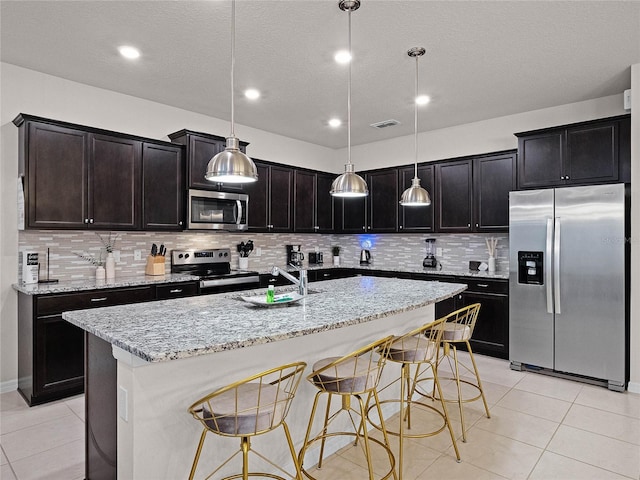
(217,210)
(567,282)
(365,257)
(430,260)
(214,269)
(295,255)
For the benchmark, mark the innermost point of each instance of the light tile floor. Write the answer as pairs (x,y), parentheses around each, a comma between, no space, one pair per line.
(541,427)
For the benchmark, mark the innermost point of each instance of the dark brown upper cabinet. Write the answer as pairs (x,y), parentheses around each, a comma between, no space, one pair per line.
(313,204)
(79,178)
(416,219)
(199,149)
(270,208)
(115,193)
(494,176)
(382,214)
(578,154)
(163,187)
(454,196)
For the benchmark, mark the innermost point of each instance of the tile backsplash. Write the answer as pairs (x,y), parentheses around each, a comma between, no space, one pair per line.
(387,250)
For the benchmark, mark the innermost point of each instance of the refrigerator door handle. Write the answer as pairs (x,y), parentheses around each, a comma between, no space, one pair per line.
(547,273)
(556,265)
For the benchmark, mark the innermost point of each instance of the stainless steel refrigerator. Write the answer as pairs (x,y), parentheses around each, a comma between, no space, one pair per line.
(567,288)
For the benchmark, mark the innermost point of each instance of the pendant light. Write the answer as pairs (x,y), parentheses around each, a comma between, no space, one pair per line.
(349,184)
(231,165)
(415,196)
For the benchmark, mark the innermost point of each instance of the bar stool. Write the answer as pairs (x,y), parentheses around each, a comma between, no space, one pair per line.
(458,328)
(353,375)
(418,347)
(249,407)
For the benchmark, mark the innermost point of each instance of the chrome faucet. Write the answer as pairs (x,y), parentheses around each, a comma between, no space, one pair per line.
(301,282)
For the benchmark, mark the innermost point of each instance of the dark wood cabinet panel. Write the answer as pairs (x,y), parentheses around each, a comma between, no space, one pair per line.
(59,357)
(353,217)
(493,178)
(324,203)
(491,333)
(592,154)
(281,188)
(163,187)
(258,213)
(416,219)
(383,201)
(270,199)
(304,201)
(114,183)
(453,196)
(540,160)
(56,173)
(199,149)
(579,154)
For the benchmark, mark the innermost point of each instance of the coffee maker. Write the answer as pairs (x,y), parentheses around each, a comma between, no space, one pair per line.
(294,255)
(430,260)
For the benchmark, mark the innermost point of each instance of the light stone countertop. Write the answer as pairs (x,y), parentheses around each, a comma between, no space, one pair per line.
(185,327)
(84,284)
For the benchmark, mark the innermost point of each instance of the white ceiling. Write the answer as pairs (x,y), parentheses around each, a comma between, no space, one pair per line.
(484,59)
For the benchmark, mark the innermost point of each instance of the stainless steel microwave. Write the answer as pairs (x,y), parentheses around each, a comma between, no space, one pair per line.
(217,210)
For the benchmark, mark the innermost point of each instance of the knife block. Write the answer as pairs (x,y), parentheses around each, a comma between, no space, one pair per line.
(155,265)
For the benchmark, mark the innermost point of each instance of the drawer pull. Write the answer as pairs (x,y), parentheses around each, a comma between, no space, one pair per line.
(101,299)
(176,290)
(483,285)
(326,275)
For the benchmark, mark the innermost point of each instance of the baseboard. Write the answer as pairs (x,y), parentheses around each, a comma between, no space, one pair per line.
(633,387)
(8,386)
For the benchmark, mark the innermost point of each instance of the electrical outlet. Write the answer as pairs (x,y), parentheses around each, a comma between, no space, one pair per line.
(123,403)
(137,254)
(438,252)
(116,256)
(258,252)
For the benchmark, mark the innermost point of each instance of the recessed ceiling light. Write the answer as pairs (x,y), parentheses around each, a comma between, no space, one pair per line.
(335,122)
(129,52)
(252,94)
(343,56)
(423,99)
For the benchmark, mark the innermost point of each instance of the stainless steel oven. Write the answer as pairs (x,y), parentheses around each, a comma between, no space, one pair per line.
(217,210)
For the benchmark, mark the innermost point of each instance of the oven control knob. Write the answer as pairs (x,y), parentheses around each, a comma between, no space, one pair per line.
(220,254)
(180,256)
(226,254)
(186,255)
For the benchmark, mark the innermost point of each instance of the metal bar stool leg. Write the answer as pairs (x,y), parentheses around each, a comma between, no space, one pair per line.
(197,457)
(460,406)
(475,369)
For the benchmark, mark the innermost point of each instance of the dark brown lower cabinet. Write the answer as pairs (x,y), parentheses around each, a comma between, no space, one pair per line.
(491,333)
(51,350)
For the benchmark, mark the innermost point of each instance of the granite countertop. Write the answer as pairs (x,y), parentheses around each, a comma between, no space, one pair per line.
(429,271)
(179,328)
(93,284)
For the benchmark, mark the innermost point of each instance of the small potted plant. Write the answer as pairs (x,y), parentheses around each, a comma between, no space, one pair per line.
(335,251)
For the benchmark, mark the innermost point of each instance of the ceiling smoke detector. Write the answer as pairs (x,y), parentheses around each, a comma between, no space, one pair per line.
(385,124)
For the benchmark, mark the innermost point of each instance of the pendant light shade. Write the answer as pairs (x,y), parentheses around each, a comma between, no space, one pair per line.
(231,165)
(415,195)
(349,184)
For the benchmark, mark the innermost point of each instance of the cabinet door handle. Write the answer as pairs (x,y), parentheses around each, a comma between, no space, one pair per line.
(180,223)
(101,299)
(176,290)
(566,177)
(91,220)
(477,225)
(401,227)
(468,225)
(86,220)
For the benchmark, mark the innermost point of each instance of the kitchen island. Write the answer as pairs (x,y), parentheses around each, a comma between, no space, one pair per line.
(155,359)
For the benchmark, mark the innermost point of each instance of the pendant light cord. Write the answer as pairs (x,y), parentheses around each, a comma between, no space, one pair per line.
(233,62)
(415,124)
(349,96)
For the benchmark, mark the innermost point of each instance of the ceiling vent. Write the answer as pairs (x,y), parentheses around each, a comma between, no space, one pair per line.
(385,124)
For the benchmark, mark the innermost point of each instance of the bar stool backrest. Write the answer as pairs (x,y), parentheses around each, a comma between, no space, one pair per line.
(251,406)
(355,373)
(459,325)
(419,345)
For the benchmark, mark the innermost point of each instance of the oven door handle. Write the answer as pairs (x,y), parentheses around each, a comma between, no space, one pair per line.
(238,212)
